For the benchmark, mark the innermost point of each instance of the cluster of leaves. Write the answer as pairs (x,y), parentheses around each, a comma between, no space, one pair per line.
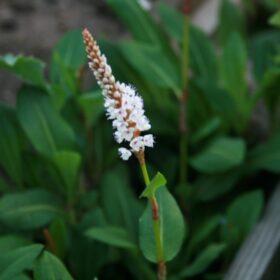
(63,185)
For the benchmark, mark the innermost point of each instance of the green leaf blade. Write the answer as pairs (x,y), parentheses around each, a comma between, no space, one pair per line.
(18,260)
(114,236)
(43,125)
(157,182)
(220,156)
(29,69)
(170,218)
(49,267)
(28,210)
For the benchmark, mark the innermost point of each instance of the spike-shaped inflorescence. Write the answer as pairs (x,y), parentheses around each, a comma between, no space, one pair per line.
(124,107)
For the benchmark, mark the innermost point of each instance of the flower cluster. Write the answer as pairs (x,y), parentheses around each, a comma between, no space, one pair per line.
(124,107)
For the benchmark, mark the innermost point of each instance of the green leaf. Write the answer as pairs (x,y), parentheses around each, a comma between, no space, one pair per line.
(157,182)
(64,81)
(206,130)
(221,155)
(275,19)
(21,277)
(203,231)
(91,104)
(29,69)
(153,64)
(172,227)
(71,50)
(266,155)
(59,232)
(68,58)
(114,236)
(68,164)
(231,20)
(12,242)
(49,267)
(203,59)
(28,210)
(203,261)
(220,101)
(209,187)
(242,215)
(136,20)
(233,71)
(121,207)
(268,90)
(263,48)
(46,130)
(172,21)
(10,157)
(16,261)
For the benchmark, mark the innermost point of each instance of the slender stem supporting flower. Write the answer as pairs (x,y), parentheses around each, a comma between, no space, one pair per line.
(162,272)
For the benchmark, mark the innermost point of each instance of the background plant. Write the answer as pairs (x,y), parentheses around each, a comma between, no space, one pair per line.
(63,185)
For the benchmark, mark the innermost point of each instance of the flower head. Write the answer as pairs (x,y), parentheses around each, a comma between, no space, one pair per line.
(123,104)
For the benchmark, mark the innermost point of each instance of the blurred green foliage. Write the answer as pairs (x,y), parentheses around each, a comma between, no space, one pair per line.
(63,185)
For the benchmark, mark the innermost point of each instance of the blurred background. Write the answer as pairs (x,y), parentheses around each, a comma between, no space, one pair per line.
(33,27)
(216,89)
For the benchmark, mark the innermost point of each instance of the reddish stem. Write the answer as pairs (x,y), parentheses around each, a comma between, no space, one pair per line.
(187,7)
(50,241)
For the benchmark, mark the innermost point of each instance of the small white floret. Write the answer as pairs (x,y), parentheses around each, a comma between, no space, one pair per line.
(137,144)
(149,140)
(124,153)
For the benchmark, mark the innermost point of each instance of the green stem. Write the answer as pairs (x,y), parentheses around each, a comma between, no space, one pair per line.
(156,224)
(183,102)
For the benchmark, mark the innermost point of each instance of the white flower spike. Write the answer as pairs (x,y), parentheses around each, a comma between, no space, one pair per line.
(122,103)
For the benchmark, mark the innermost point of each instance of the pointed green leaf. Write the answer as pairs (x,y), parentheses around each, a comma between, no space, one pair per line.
(43,125)
(266,155)
(172,21)
(10,150)
(233,71)
(49,267)
(153,64)
(121,207)
(203,261)
(157,182)
(242,215)
(203,231)
(137,20)
(16,261)
(230,20)
(203,60)
(12,242)
(172,227)
(114,236)
(68,164)
(71,50)
(221,155)
(91,104)
(29,69)
(28,210)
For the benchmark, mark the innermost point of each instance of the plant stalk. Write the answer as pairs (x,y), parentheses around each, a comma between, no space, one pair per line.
(162,271)
(184,97)
(50,242)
